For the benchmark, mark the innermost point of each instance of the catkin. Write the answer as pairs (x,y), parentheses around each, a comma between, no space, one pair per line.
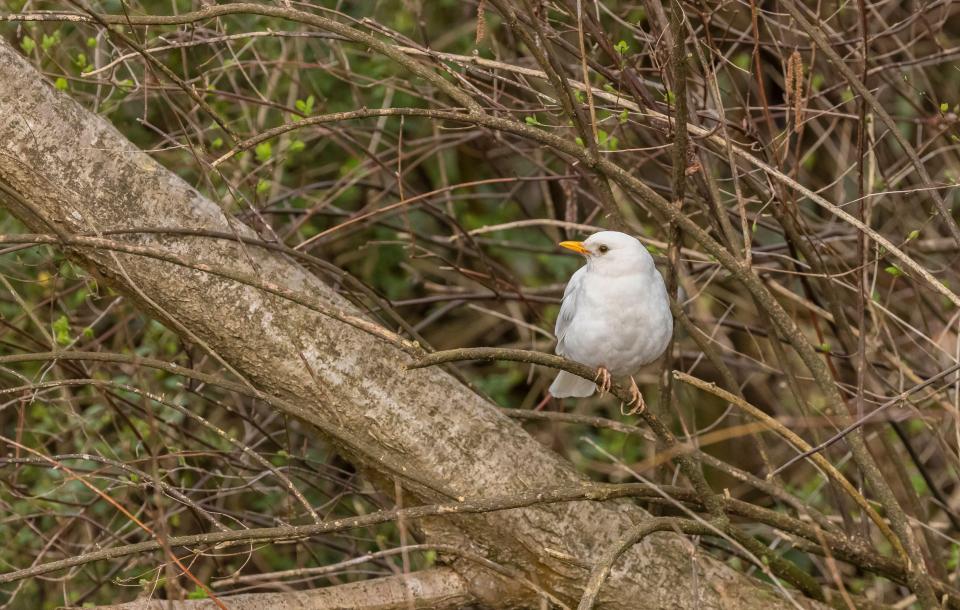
(795,70)
(481,20)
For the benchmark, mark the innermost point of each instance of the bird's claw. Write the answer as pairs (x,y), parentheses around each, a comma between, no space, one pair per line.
(636,404)
(602,380)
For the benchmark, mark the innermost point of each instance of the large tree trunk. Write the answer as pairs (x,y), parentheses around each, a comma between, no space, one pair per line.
(74,173)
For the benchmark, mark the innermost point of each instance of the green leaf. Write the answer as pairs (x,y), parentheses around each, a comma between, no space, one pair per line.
(126,85)
(622,47)
(532,120)
(61,330)
(87,333)
(28,44)
(847,95)
(197,593)
(893,270)
(816,83)
(80,60)
(263,152)
(60,84)
(579,141)
(217,143)
(305,106)
(606,140)
(623,117)
(913,235)
(944,107)
(919,484)
(91,42)
(263,186)
(296,146)
(48,42)
(954,559)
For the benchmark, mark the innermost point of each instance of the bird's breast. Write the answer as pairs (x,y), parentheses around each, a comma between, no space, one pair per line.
(620,323)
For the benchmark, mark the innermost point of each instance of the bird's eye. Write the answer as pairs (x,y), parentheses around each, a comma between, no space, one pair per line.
(603,249)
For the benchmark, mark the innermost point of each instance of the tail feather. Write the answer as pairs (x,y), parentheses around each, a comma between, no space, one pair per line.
(567,385)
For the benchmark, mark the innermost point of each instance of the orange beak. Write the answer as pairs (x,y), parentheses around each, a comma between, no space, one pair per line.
(576,246)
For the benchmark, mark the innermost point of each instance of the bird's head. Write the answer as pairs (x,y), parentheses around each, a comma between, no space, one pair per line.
(612,252)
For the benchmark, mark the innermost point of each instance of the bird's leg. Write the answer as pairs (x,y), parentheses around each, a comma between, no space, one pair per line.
(543,403)
(602,380)
(636,404)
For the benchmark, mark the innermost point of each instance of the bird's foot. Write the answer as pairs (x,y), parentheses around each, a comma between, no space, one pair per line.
(602,380)
(636,404)
(543,403)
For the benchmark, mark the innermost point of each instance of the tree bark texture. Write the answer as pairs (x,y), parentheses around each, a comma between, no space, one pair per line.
(74,173)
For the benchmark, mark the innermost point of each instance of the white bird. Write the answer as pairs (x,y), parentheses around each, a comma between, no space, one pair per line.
(615,314)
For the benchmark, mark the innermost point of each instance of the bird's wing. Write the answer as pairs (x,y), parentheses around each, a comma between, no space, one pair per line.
(568,307)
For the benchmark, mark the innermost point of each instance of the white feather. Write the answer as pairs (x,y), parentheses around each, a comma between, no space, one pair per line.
(568,308)
(568,385)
